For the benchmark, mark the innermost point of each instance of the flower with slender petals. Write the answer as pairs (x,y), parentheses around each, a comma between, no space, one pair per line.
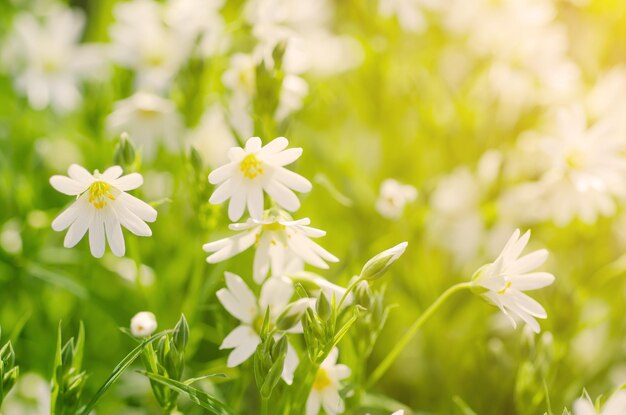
(240,302)
(254,169)
(278,239)
(325,390)
(504,281)
(102,206)
(143,324)
(616,405)
(393,197)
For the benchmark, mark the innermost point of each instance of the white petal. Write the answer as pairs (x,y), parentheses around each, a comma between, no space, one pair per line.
(234,306)
(222,192)
(68,216)
(131,221)
(244,296)
(113,173)
(261,264)
(292,180)
(240,335)
(230,247)
(583,406)
(332,402)
(221,173)
(313,403)
(282,195)
(275,293)
(96,235)
(243,352)
(284,157)
(237,204)
(78,228)
(274,146)
(527,262)
(128,182)
(291,363)
(67,185)
(616,405)
(342,372)
(253,145)
(255,201)
(532,281)
(79,173)
(528,304)
(114,233)
(141,209)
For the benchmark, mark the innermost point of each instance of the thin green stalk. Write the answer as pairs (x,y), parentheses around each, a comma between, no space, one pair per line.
(404,341)
(265,406)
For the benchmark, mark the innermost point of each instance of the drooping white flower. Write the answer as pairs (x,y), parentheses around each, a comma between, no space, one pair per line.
(146,44)
(616,405)
(393,197)
(47,59)
(241,302)
(102,206)
(325,390)
(148,119)
(253,170)
(503,282)
(278,240)
(143,324)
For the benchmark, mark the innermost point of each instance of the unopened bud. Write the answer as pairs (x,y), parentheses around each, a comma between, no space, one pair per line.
(196,160)
(292,314)
(323,307)
(378,265)
(143,324)
(125,151)
(181,334)
(363,294)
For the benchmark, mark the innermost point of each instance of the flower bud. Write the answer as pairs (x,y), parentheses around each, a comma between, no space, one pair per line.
(196,160)
(181,334)
(125,151)
(323,308)
(143,324)
(378,265)
(292,314)
(363,294)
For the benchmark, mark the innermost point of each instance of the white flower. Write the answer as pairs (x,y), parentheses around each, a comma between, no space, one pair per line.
(239,301)
(29,396)
(102,207)
(408,12)
(616,405)
(143,324)
(141,41)
(213,137)
(502,282)
(147,118)
(325,390)
(48,60)
(240,77)
(255,169)
(393,197)
(277,240)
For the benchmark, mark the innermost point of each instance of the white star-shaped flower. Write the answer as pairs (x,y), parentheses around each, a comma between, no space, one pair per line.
(102,206)
(254,169)
(278,240)
(504,281)
(242,304)
(325,390)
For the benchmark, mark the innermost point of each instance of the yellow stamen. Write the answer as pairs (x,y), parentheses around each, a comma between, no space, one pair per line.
(507,286)
(251,166)
(99,192)
(322,380)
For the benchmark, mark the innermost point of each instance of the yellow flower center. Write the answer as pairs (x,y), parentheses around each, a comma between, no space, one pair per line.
(506,287)
(251,166)
(322,380)
(99,194)
(575,159)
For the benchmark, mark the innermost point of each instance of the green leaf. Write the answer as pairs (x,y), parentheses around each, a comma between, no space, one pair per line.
(117,372)
(201,398)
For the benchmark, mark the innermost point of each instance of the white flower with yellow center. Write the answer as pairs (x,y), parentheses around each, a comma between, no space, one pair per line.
(143,324)
(102,206)
(278,240)
(242,304)
(502,282)
(254,169)
(616,405)
(325,390)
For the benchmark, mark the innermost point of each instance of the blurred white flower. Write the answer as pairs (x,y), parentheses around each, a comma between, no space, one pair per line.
(587,170)
(408,12)
(240,302)
(325,390)
(141,41)
(199,20)
(292,93)
(240,77)
(616,405)
(143,324)
(502,282)
(278,240)
(255,169)
(213,137)
(102,207)
(11,237)
(148,119)
(47,59)
(393,197)
(29,396)
(607,99)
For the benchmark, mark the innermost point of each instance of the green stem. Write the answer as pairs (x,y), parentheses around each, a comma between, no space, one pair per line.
(265,406)
(404,341)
